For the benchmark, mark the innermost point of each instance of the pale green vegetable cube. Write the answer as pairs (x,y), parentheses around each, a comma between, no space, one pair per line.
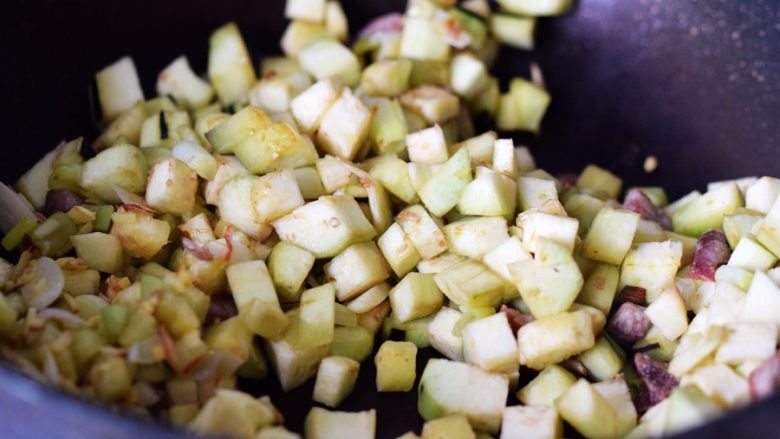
(490,344)
(324,424)
(310,106)
(552,382)
(707,212)
(396,366)
(122,165)
(471,283)
(538,226)
(521,422)
(415,296)
(751,256)
(476,237)
(602,361)
(490,194)
(599,182)
(534,192)
(336,379)
(325,227)
(453,427)
(428,146)
(441,335)
(398,250)
(422,41)
(317,316)
(442,192)
(386,77)
(275,195)
(600,287)
(514,31)
(344,127)
(178,80)
(550,340)
(236,207)
(389,128)
(309,183)
(393,174)
(356,343)
(356,269)
(230,66)
(610,235)
(507,253)
(588,411)
(768,233)
(433,104)
(423,231)
(119,88)
(171,187)
(651,266)
(141,235)
(325,58)
(231,131)
(468,76)
(233,413)
(276,145)
(616,392)
(289,266)
(293,362)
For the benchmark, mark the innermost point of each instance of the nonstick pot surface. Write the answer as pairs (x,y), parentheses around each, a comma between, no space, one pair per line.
(694,83)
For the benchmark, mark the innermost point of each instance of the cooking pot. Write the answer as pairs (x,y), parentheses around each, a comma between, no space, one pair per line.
(694,83)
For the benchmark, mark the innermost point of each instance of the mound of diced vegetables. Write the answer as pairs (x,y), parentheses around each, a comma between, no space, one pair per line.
(297,218)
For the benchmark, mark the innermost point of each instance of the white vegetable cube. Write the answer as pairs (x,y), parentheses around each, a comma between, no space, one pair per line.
(761,195)
(100,251)
(344,126)
(490,344)
(600,287)
(440,263)
(118,88)
(762,303)
(317,316)
(275,195)
(414,297)
(543,226)
(451,427)
(356,269)
(535,192)
(368,301)
(427,146)
(307,10)
(336,20)
(273,95)
(602,361)
(481,148)
(230,66)
(398,250)
(393,174)
(751,256)
(326,227)
(475,237)
(669,313)
(490,194)
(470,283)
(434,104)
(552,382)
(587,411)
(142,236)
(610,235)
(325,58)
(616,392)
(336,379)
(448,387)
(251,281)
(196,158)
(652,266)
(289,266)
(550,283)
(722,384)
(468,75)
(309,107)
(396,366)
(236,207)
(507,253)
(599,182)
(550,340)
(440,333)
(422,41)
(228,168)
(333,173)
(504,158)
(171,187)
(748,342)
(293,361)
(522,422)
(122,165)
(309,183)
(422,230)
(179,81)
(324,424)
(442,191)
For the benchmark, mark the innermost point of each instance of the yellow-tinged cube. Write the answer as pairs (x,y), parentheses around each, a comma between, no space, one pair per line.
(396,366)
(450,427)
(528,422)
(550,340)
(336,379)
(610,235)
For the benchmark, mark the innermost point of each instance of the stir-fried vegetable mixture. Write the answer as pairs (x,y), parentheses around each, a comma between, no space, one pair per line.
(292,221)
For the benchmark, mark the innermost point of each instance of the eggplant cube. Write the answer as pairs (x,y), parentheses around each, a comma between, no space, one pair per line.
(100,251)
(751,255)
(652,266)
(324,424)
(550,340)
(442,192)
(610,235)
(236,208)
(539,225)
(275,146)
(356,269)
(398,250)
(307,10)
(451,427)
(141,235)
(386,77)
(434,104)
(762,303)
(552,382)
(396,366)
(490,344)
(468,75)
(490,194)
(505,254)
(414,297)
(344,126)
(599,182)
(616,392)
(293,361)
(251,281)
(178,80)
(587,411)
(521,422)
(669,313)
(233,413)
(427,146)
(289,266)
(448,388)
(470,283)
(442,338)
(423,231)
(476,237)
(707,212)
(122,165)
(119,88)
(326,227)
(317,316)
(230,66)
(326,57)
(275,195)
(309,107)
(422,41)
(171,188)
(229,133)
(535,192)
(336,379)
(603,362)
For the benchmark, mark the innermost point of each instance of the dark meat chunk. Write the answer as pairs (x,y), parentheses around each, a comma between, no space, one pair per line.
(712,251)
(637,201)
(221,308)
(657,383)
(628,324)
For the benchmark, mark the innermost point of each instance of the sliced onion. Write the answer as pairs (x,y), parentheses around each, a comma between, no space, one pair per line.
(15,208)
(67,318)
(46,286)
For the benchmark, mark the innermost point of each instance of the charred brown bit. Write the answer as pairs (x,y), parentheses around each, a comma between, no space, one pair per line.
(516,319)
(628,324)
(657,383)
(765,380)
(631,294)
(637,201)
(576,367)
(712,251)
(221,308)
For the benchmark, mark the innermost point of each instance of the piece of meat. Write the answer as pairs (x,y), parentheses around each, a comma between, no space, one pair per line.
(388,23)
(628,324)
(631,294)
(637,201)
(657,383)
(221,307)
(765,379)
(516,319)
(712,251)
(576,367)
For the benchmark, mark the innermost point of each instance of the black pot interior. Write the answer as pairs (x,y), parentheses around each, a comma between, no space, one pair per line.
(694,83)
